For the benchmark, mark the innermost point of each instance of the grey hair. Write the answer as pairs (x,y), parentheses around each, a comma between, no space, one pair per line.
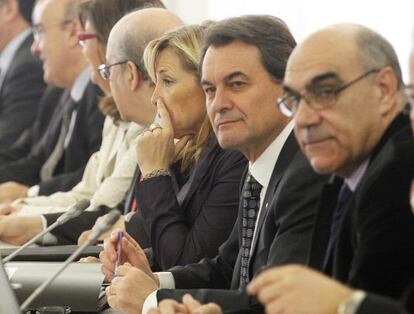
(376,52)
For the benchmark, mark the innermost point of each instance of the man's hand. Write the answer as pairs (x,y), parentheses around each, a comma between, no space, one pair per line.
(298,290)
(10,191)
(8,208)
(128,291)
(131,253)
(120,225)
(17,230)
(189,306)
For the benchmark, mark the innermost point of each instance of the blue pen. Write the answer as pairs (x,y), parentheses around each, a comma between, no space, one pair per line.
(118,251)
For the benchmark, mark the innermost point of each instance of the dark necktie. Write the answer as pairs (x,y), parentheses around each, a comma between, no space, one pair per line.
(46,172)
(344,195)
(251,203)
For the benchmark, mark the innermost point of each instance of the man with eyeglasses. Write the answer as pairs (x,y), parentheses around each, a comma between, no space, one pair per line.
(343,87)
(21,82)
(243,64)
(57,162)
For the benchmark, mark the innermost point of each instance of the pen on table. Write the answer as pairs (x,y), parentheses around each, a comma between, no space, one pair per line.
(118,251)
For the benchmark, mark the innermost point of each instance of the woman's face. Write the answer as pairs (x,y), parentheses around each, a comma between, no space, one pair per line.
(181,93)
(92,51)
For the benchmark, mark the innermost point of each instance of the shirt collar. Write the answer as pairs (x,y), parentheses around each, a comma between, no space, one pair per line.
(355,177)
(80,85)
(267,160)
(8,53)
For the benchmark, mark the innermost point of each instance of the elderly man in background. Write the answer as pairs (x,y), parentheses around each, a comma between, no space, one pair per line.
(21,82)
(56,163)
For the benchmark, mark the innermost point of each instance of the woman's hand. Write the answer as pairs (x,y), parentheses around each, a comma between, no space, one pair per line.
(156,148)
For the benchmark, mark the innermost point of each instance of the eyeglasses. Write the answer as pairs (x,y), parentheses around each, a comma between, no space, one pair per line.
(318,97)
(83,37)
(39,29)
(105,70)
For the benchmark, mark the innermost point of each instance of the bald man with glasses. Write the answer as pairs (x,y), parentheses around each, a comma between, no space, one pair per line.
(344,88)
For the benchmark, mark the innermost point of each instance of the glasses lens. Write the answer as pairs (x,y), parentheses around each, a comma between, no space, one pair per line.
(284,106)
(102,71)
(321,98)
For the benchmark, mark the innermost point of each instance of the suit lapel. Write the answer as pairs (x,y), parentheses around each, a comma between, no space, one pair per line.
(286,156)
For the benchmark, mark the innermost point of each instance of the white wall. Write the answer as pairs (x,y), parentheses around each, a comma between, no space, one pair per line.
(393,19)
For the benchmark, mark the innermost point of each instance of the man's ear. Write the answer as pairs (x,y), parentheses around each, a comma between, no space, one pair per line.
(387,83)
(133,76)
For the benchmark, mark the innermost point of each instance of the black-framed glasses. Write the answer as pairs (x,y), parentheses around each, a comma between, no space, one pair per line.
(105,70)
(39,29)
(317,97)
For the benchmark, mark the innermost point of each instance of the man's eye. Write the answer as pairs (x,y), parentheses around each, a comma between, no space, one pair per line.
(209,91)
(167,82)
(236,84)
(324,92)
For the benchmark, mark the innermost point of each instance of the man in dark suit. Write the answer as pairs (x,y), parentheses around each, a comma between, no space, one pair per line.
(244,62)
(29,138)
(21,82)
(344,87)
(56,163)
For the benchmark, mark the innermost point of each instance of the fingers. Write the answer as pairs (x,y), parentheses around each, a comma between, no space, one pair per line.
(190,302)
(123,270)
(110,246)
(108,267)
(171,307)
(267,277)
(210,308)
(270,293)
(165,119)
(89,259)
(83,237)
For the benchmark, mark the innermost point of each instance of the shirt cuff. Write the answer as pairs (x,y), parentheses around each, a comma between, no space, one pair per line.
(150,302)
(166,280)
(48,238)
(33,191)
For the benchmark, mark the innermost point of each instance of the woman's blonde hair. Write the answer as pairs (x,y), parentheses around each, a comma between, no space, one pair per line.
(186,41)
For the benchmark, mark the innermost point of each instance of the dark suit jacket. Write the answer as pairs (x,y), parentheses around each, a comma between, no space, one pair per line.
(33,135)
(180,233)
(20,94)
(284,229)
(188,225)
(375,247)
(85,139)
(381,305)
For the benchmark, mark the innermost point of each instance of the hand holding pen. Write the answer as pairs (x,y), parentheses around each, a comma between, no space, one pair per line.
(126,250)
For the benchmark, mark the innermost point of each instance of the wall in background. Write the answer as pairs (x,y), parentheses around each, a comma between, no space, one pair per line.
(394,20)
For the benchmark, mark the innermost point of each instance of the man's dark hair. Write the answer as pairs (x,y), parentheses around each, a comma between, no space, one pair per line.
(26,9)
(269,34)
